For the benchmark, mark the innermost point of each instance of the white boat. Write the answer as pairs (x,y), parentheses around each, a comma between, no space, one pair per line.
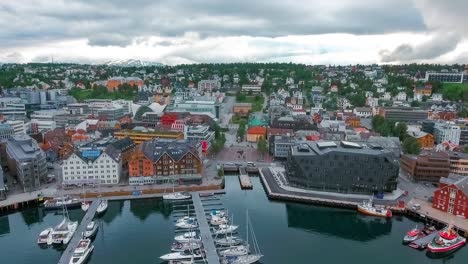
(187,224)
(177,196)
(185,218)
(84,206)
(91,230)
(63,232)
(217,213)
(82,252)
(216,221)
(102,207)
(225,229)
(191,261)
(188,237)
(177,246)
(368,208)
(184,255)
(229,241)
(59,202)
(246,259)
(45,237)
(239,250)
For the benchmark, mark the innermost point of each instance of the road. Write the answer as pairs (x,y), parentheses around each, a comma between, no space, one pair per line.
(226,111)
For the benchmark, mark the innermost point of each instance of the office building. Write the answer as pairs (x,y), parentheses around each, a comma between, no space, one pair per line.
(403,114)
(251,89)
(139,135)
(428,167)
(12,108)
(281,146)
(458,163)
(445,132)
(449,77)
(199,134)
(209,85)
(6,131)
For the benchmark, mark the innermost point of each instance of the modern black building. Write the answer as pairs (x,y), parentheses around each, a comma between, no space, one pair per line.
(344,167)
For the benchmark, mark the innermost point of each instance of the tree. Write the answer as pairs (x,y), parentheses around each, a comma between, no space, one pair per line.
(241,129)
(400,131)
(415,103)
(411,146)
(262,146)
(377,121)
(465,149)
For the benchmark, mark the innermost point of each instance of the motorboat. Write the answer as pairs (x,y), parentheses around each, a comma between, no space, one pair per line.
(85,206)
(413,234)
(82,252)
(184,255)
(177,196)
(187,224)
(368,208)
(60,202)
(102,207)
(188,237)
(45,237)
(217,213)
(63,232)
(245,259)
(91,230)
(185,218)
(229,241)
(428,229)
(177,246)
(447,241)
(239,250)
(216,221)
(191,261)
(225,229)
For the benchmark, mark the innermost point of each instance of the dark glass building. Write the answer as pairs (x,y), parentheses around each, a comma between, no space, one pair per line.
(344,167)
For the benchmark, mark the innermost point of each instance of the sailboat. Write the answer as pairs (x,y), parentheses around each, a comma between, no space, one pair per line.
(84,204)
(176,195)
(102,207)
(249,258)
(63,232)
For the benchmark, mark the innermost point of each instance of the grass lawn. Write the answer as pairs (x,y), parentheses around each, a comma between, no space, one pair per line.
(238,119)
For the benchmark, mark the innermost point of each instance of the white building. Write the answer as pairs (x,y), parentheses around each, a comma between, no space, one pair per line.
(401,96)
(18,126)
(253,88)
(386,96)
(362,111)
(447,132)
(437,97)
(418,97)
(372,102)
(343,103)
(42,125)
(209,85)
(381,89)
(91,166)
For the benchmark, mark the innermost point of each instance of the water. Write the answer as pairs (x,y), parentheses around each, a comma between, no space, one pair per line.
(139,231)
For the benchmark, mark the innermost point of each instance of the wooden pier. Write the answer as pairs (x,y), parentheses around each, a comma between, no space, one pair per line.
(244,179)
(205,231)
(68,253)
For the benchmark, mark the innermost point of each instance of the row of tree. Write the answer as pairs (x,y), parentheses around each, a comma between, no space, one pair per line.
(388,128)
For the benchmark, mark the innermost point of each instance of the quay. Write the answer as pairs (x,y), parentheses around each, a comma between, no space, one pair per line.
(423,241)
(68,253)
(205,231)
(244,179)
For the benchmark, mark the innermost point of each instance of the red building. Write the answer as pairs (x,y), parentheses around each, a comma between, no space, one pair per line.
(167,119)
(452,196)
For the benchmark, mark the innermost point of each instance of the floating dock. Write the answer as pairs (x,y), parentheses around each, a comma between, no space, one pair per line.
(68,253)
(205,231)
(423,241)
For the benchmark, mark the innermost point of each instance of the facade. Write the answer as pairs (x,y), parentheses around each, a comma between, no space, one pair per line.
(447,133)
(342,167)
(159,161)
(292,122)
(113,83)
(281,146)
(2,186)
(463,134)
(242,109)
(91,166)
(426,167)
(251,88)
(195,106)
(255,133)
(26,161)
(426,140)
(6,131)
(403,114)
(199,134)
(363,112)
(42,125)
(458,163)
(139,136)
(450,77)
(452,196)
(111,113)
(18,126)
(209,85)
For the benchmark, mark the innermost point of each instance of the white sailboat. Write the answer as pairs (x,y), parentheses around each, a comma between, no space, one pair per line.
(84,203)
(229,241)
(63,232)
(225,229)
(177,246)
(82,252)
(238,250)
(91,230)
(188,237)
(176,195)
(216,221)
(102,207)
(45,237)
(184,255)
(187,224)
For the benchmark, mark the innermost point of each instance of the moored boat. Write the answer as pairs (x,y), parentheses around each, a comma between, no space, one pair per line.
(91,230)
(82,252)
(177,196)
(188,237)
(59,202)
(229,241)
(177,246)
(239,250)
(225,229)
(85,206)
(187,224)
(45,237)
(245,259)
(447,241)
(102,207)
(64,231)
(413,234)
(184,255)
(216,221)
(368,208)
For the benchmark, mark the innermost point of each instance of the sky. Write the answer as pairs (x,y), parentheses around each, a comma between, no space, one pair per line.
(337,32)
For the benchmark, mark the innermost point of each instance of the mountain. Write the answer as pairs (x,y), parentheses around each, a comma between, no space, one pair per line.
(132,63)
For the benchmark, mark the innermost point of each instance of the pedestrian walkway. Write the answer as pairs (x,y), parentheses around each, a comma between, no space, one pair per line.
(205,231)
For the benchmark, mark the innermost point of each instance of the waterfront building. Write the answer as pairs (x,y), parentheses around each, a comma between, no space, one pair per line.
(91,166)
(344,167)
(281,146)
(452,196)
(445,132)
(428,167)
(199,134)
(255,133)
(458,163)
(6,131)
(140,135)
(159,161)
(403,114)
(26,161)
(122,148)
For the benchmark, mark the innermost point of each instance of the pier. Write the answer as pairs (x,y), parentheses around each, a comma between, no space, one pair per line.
(205,231)
(244,179)
(68,253)
(423,241)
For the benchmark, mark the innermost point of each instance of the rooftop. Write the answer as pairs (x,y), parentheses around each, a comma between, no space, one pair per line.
(323,147)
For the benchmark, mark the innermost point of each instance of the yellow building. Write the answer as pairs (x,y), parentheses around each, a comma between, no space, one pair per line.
(426,140)
(142,136)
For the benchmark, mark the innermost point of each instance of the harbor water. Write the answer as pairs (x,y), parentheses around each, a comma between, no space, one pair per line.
(139,231)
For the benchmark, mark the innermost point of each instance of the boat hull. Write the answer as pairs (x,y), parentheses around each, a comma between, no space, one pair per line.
(372,213)
(447,249)
(60,207)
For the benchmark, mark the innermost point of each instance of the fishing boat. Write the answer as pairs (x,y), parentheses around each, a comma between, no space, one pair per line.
(177,246)
(187,224)
(59,202)
(63,232)
(102,207)
(413,234)
(91,230)
(447,241)
(82,252)
(216,221)
(188,237)
(368,208)
(239,250)
(177,196)
(45,237)
(225,229)
(184,255)
(229,241)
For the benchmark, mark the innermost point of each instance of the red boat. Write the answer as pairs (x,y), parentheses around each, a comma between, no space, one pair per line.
(448,240)
(413,234)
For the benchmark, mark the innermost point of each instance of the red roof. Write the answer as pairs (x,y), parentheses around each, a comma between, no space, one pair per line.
(257,130)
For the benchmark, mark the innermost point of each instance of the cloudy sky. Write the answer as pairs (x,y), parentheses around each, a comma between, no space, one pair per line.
(192,31)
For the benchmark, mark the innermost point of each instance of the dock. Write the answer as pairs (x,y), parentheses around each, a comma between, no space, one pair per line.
(205,231)
(88,217)
(423,241)
(244,179)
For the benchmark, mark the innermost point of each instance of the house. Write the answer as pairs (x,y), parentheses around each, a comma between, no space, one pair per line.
(401,96)
(343,103)
(437,97)
(242,109)
(425,90)
(452,196)
(251,88)
(255,133)
(372,102)
(426,140)
(362,111)
(386,96)
(353,121)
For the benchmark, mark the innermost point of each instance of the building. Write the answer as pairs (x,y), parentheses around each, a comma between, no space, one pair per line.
(251,88)
(47,115)
(204,105)
(6,131)
(403,114)
(209,85)
(255,133)
(139,136)
(463,134)
(293,122)
(445,132)
(42,125)
(18,126)
(425,90)
(199,134)
(458,163)
(113,83)
(450,77)
(281,146)
(428,167)
(12,108)
(353,121)
(452,196)
(91,166)
(242,109)
(111,113)
(343,167)
(26,162)
(2,186)
(363,112)
(160,161)
(426,140)
(122,148)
